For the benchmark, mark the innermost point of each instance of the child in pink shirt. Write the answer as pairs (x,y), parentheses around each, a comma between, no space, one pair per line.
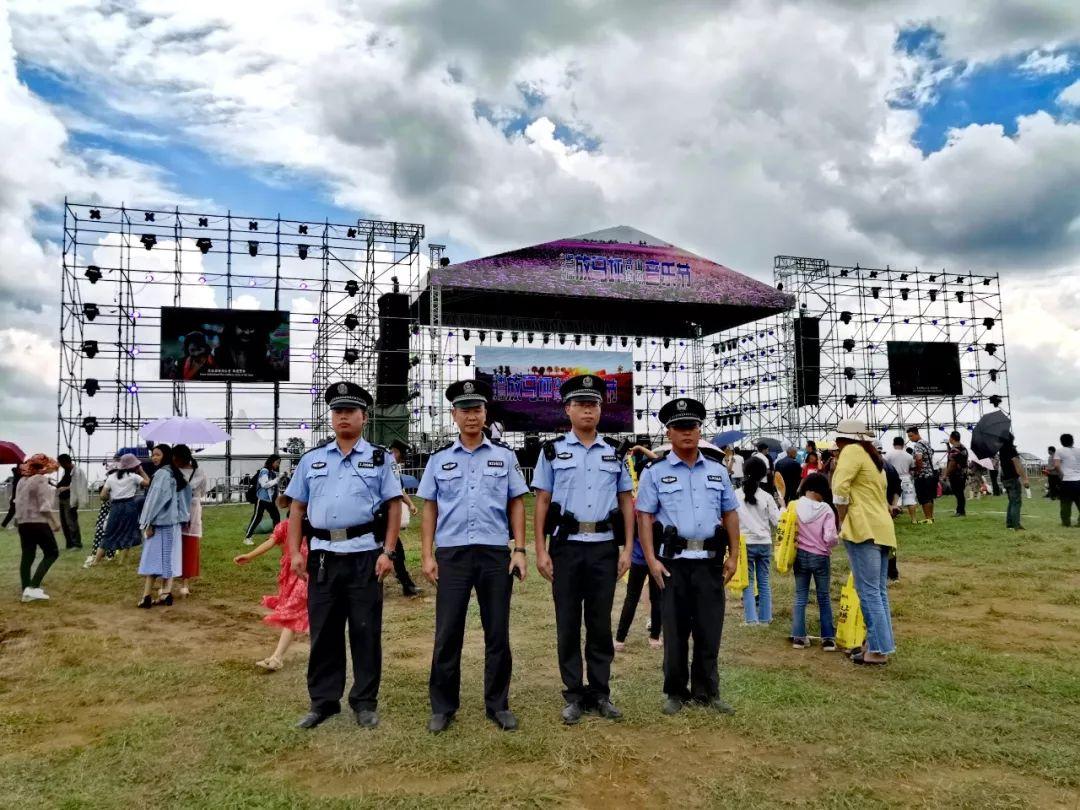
(816,538)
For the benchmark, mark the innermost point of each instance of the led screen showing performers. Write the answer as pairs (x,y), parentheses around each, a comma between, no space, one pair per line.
(526,385)
(224,345)
(924,369)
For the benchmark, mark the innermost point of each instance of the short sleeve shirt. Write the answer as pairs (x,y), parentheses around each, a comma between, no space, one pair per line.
(959,454)
(585,481)
(1070,463)
(693,499)
(472,490)
(343,490)
(923,450)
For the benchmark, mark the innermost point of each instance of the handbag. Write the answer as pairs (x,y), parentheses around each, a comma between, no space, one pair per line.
(787,536)
(850,626)
(740,580)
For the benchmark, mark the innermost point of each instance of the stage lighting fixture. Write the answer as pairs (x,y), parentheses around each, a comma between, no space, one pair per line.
(988,323)
(204,245)
(904,291)
(444,261)
(667,390)
(577,340)
(351,321)
(991,349)
(482,335)
(204,221)
(875,291)
(993,375)
(530,336)
(637,342)
(147,216)
(638,389)
(780,286)
(850,400)
(609,340)
(351,356)
(467,358)
(95,213)
(843,273)
(849,344)
(994,400)
(352,288)
(414,361)
(91,311)
(849,372)
(148,240)
(960,296)
(637,365)
(623,340)
(513,337)
(498,336)
(845,316)
(873,274)
(351,233)
(546,338)
(667,366)
(253,248)
(91,386)
(667,342)
(592,340)
(302,230)
(301,251)
(562,338)
(90,347)
(933,295)
(414,395)
(253,225)
(638,414)
(933,279)
(89,424)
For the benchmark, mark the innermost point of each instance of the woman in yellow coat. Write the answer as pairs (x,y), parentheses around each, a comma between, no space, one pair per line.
(866,527)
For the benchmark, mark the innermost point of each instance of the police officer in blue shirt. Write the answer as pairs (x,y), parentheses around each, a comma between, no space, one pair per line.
(583,502)
(347,502)
(472,490)
(686,520)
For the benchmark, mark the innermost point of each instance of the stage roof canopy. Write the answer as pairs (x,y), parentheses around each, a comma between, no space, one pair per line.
(614,281)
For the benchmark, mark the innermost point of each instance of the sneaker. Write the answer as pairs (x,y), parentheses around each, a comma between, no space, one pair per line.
(38,593)
(248,541)
(89,561)
(26,594)
(828,645)
(926,521)
(800,643)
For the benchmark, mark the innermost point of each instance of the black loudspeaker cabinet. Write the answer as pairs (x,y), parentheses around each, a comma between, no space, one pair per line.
(392,348)
(807,361)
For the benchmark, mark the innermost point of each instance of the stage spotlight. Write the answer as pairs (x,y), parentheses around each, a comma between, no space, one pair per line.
(845,317)
(89,424)
(667,390)
(352,288)
(780,286)
(873,274)
(91,386)
(351,321)
(609,340)
(991,349)
(253,248)
(204,245)
(849,344)
(147,216)
(546,338)
(351,233)
(351,356)
(933,279)
(994,400)
(444,261)
(667,366)
(623,340)
(850,400)
(716,348)
(843,273)
(933,295)
(91,311)
(467,358)
(592,340)
(498,336)
(562,338)
(414,361)
(301,251)
(253,225)
(638,389)
(904,292)
(849,372)
(482,335)
(530,336)
(577,340)
(875,291)
(148,240)
(637,365)
(302,230)
(513,337)
(667,342)
(95,213)
(960,296)
(993,375)
(90,347)
(637,342)
(204,221)
(638,414)
(466,333)
(988,323)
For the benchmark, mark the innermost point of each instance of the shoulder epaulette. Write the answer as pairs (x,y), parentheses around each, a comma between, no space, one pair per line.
(321,444)
(446,446)
(501,443)
(650,462)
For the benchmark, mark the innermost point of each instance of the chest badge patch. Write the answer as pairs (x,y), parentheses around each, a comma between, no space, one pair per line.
(609,458)
(669,479)
(718,478)
(450,465)
(318,465)
(495,463)
(565,456)
(365,465)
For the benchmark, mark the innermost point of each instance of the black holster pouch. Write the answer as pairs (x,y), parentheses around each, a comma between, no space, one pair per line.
(668,540)
(617,527)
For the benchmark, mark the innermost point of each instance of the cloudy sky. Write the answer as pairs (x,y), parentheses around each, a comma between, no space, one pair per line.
(908,132)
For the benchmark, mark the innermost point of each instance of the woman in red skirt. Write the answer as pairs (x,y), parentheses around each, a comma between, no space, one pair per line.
(191,532)
(289,604)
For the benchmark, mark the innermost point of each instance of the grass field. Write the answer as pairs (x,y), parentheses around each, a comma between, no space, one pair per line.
(104,705)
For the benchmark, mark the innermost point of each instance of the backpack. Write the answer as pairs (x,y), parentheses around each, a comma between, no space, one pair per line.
(252,494)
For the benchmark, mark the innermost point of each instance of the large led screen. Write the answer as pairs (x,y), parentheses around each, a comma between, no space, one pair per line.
(224,345)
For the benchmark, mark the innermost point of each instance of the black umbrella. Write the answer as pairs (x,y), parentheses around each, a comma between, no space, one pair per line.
(990,434)
(774,444)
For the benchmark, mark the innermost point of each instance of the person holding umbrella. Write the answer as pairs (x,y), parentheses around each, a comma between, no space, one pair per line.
(1013,475)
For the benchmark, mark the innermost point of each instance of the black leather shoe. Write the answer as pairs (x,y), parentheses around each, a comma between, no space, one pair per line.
(439,722)
(571,713)
(504,719)
(312,719)
(146,602)
(717,704)
(367,718)
(672,706)
(608,710)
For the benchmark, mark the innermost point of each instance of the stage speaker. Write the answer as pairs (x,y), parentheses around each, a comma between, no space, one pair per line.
(807,362)
(392,350)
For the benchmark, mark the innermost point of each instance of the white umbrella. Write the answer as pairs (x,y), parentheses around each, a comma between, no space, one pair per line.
(184,430)
(988,463)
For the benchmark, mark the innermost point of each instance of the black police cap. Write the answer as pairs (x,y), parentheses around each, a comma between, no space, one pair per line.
(348,395)
(586,387)
(468,393)
(682,409)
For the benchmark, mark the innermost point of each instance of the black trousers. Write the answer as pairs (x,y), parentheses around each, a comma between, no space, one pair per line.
(461,569)
(958,482)
(634,584)
(261,508)
(693,608)
(69,522)
(400,571)
(1069,492)
(994,486)
(33,536)
(1053,486)
(346,592)
(584,585)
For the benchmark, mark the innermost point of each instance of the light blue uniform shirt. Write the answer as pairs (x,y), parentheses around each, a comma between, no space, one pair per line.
(161,507)
(692,499)
(342,491)
(472,490)
(584,481)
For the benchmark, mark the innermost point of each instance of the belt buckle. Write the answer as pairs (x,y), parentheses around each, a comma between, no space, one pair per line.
(337,535)
(586,528)
(695,545)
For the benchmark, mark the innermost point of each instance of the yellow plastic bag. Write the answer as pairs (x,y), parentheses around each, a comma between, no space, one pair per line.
(787,536)
(741,579)
(850,627)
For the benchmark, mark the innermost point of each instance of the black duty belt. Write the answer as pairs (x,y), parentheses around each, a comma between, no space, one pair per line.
(337,535)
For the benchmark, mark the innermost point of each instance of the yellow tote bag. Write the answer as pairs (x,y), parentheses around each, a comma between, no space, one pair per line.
(850,627)
(787,536)
(741,578)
